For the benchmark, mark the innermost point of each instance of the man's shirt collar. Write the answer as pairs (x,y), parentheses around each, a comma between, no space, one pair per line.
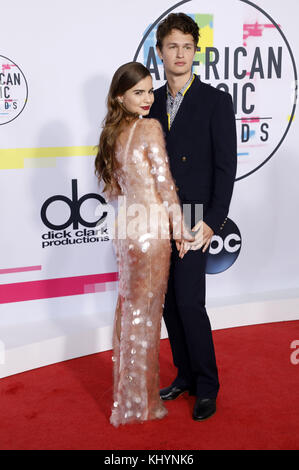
(181,92)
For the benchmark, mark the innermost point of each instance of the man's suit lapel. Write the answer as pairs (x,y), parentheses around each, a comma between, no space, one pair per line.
(185,108)
(161,110)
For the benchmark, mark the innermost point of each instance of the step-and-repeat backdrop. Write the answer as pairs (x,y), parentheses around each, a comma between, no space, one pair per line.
(57,58)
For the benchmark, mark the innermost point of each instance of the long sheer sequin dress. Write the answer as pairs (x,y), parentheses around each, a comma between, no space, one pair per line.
(143,263)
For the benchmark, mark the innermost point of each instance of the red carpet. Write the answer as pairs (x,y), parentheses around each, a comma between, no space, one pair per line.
(67,405)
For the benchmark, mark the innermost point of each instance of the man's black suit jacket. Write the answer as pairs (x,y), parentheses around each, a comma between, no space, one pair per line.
(202,149)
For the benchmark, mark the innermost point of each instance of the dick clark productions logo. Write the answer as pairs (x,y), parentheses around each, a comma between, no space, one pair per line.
(68,232)
(13,90)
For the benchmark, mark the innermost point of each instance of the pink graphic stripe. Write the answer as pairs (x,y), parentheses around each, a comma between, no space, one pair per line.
(254,145)
(20,270)
(60,287)
(251,120)
(255,30)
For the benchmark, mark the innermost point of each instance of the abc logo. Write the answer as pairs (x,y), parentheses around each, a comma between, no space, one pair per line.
(224,249)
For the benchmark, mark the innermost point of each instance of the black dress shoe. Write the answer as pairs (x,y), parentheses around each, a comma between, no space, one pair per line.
(204,408)
(172,392)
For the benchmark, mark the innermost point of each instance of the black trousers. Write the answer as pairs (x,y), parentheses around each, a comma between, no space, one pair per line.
(188,325)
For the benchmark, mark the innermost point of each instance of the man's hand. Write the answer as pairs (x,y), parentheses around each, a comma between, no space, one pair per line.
(203,237)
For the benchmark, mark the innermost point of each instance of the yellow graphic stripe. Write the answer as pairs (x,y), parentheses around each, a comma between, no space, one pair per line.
(41,156)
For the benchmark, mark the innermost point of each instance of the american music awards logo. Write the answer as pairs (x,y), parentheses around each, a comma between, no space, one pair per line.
(13,90)
(247,55)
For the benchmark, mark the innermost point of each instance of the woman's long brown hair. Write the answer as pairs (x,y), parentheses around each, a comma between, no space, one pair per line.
(126,76)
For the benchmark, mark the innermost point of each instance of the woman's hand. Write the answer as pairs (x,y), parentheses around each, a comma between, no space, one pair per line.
(183,245)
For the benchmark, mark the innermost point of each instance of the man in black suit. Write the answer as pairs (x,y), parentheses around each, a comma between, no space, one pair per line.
(200,132)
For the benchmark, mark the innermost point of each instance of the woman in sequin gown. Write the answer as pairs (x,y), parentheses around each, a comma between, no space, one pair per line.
(143,253)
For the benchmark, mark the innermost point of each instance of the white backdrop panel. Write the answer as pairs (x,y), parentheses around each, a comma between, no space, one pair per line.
(68,51)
